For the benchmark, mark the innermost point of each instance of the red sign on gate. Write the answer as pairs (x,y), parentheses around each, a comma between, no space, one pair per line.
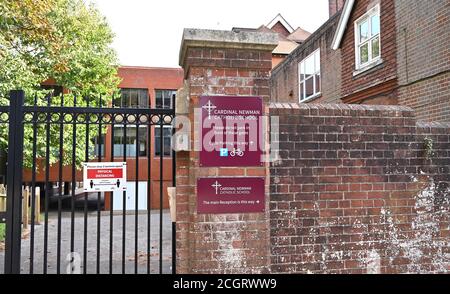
(104,173)
(231,131)
(104,176)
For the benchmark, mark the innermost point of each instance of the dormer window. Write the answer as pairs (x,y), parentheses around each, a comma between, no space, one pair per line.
(367,38)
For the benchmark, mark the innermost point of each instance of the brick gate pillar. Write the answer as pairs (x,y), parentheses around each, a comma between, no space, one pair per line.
(220,63)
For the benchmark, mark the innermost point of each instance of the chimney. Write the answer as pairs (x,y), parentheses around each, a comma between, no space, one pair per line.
(334,6)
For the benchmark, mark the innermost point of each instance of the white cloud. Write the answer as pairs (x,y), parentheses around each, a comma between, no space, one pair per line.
(148,33)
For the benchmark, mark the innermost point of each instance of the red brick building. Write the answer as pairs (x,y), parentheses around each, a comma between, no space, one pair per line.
(391,52)
(288,37)
(154,88)
(140,87)
(366,36)
(423,57)
(325,85)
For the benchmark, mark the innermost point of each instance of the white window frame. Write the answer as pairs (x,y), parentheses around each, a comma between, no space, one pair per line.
(371,60)
(302,82)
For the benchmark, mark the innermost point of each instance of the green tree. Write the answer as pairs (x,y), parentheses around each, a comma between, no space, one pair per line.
(63,40)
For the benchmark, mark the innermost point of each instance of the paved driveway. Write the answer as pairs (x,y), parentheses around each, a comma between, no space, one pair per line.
(104,244)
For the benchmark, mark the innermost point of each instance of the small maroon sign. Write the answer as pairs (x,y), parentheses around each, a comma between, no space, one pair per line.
(231,131)
(230,195)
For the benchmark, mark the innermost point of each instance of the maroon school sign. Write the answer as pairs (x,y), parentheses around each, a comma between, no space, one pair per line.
(230,195)
(231,128)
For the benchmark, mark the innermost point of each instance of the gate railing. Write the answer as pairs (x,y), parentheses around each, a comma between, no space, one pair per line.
(20,115)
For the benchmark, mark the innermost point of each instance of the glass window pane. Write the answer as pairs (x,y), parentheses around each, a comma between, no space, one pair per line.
(132,98)
(157,141)
(318,83)
(375,21)
(302,70)
(167,141)
(309,87)
(364,53)
(376,47)
(309,66)
(157,146)
(125,93)
(143,141)
(164,98)
(126,100)
(143,98)
(167,132)
(173,96)
(164,95)
(167,103)
(118,135)
(167,99)
(363,31)
(317,56)
(131,142)
(158,99)
(302,91)
(118,141)
(167,147)
(134,101)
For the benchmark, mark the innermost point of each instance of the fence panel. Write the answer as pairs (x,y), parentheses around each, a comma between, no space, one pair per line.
(54,226)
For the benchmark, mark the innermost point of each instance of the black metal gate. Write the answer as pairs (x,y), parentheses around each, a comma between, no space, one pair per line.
(71,231)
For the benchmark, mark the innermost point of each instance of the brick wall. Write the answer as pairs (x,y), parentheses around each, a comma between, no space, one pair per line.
(280,29)
(228,72)
(355,193)
(424,58)
(374,85)
(430,98)
(231,243)
(334,6)
(284,78)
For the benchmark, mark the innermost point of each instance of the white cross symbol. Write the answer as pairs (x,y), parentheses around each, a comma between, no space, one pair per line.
(209,107)
(217,186)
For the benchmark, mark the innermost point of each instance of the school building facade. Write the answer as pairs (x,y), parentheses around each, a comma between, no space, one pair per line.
(387,52)
(140,87)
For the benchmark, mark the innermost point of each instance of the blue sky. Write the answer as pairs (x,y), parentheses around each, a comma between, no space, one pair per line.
(148,33)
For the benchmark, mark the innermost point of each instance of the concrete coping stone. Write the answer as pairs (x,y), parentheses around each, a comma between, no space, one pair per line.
(200,38)
(331,106)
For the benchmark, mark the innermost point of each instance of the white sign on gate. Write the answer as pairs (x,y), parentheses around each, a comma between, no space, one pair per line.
(104,176)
